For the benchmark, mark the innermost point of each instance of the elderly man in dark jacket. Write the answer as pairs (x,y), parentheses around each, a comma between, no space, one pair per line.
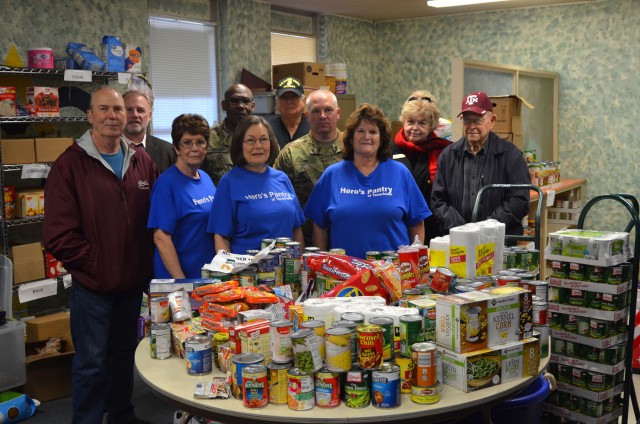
(479,158)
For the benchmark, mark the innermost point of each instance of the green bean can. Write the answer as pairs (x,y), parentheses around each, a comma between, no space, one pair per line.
(357,388)
(598,328)
(410,333)
(306,352)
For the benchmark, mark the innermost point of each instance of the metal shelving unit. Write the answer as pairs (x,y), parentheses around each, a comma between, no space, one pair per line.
(54,72)
(36,119)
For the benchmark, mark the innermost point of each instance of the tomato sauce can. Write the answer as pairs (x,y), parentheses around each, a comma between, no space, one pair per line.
(327,386)
(280,335)
(306,352)
(406,370)
(369,346)
(198,355)
(425,365)
(238,363)
(357,388)
(388,351)
(160,310)
(410,332)
(385,386)
(318,327)
(277,378)
(160,340)
(255,386)
(426,395)
(408,266)
(300,390)
(442,279)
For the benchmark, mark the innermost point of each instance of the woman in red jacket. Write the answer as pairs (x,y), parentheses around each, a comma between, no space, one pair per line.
(418,147)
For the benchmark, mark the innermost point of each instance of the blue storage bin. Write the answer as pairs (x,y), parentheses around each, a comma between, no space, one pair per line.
(524,407)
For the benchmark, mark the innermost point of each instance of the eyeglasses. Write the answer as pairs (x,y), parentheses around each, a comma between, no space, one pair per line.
(466,120)
(414,98)
(188,144)
(235,101)
(253,141)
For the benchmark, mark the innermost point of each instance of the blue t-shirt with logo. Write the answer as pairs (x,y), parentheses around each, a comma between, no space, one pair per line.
(181,205)
(250,207)
(367,213)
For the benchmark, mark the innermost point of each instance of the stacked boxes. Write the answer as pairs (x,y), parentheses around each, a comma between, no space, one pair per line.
(588,313)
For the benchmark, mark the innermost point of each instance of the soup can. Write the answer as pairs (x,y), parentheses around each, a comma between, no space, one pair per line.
(327,386)
(255,386)
(357,388)
(425,365)
(388,352)
(160,340)
(300,390)
(238,363)
(277,377)
(280,335)
(406,371)
(338,349)
(306,352)
(198,355)
(410,332)
(159,309)
(318,327)
(385,386)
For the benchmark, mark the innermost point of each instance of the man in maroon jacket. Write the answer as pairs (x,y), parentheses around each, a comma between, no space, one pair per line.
(98,195)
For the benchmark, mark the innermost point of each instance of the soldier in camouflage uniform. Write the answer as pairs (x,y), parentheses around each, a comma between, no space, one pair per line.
(305,159)
(237,103)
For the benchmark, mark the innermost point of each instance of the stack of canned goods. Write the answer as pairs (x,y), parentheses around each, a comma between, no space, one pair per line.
(160,330)
(527,260)
(616,274)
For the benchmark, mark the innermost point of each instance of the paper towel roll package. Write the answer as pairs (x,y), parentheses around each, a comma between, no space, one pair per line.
(439,252)
(472,249)
(322,308)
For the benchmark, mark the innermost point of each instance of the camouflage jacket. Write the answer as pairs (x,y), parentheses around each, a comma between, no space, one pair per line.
(304,160)
(217,161)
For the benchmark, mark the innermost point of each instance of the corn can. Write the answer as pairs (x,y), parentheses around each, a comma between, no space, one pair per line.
(277,378)
(255,386)
(351,326)
(300,390)
(327,387)
(370,346)
(338,349)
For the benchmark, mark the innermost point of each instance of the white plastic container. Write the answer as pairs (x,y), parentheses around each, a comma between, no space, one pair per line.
(6,285)
(13,372)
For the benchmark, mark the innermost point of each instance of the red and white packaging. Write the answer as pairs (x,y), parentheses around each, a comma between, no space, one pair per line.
(43,101)
(7,101)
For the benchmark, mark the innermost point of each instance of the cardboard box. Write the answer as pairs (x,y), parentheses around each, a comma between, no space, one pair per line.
(47,326)
(43,101)
(28,262)
(18,151)
(48,149)
(514,138)
(7,101)
(28,203)
(508,113)
(52,267)
(49,375)
(476,320)
(310,73)
(495,366)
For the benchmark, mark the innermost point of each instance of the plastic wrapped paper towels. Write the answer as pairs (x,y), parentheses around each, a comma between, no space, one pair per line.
(369,311)
(497,230)
(322,308)
(439,252)
(472,249)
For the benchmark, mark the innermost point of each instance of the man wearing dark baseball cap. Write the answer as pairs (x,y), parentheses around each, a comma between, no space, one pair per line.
(479,158)
(291,124)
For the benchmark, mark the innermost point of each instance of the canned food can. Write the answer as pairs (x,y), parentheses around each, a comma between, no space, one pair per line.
(582,325)
(357,388)
(385,386)
(525,276)
(558,346)
(509,259)
(577,271)
(373,255)
(281,242)
(523,259)
(218,340)
(160,340)
(198,355)
(442,280)
(406,372)
(292,270)
(338,251)
(413,293)
(599,329)
(159,309)
(248,276)
(356,317)
(534,258)
(570,323)
(426,288)
(238,363)
(539,288)
(408,266)
(277,376)
(543,331)
(576,297)
(370,346)
(560,269)
(610,302)
(579,377)
(280,336)
(327,386)
(318,327)
(594,408)
(410,332)
(426,395)
(388,352)
(425,365)
(508,280)
(423,265)
(539,313)
(338,349)
(265,243)
(596,382)
(300,390)
(255,386)
(564,373)
(351,326)
(306,352)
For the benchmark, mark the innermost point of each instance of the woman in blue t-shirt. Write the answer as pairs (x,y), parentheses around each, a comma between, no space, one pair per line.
(254,201)
(366,202)
(181,204)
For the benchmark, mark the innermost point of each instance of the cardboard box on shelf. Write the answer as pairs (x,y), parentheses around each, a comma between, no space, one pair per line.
(7,101)
(49,374)
(43,101)
(53,267)
(28,262)
(508,111)
(18,151)
(48,149)
(310,73)
(55,325)
(28,203)
(514,138)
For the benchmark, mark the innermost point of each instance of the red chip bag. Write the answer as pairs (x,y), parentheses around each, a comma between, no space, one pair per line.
(364,283)
(332,266)
(389,277)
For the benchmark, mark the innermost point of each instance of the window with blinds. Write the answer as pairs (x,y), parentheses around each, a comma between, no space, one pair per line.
(183,72)
(288,48)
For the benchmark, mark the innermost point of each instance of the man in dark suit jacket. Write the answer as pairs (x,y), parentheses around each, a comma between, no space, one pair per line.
(138,106)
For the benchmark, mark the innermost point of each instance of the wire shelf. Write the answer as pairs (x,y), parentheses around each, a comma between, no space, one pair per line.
(50,72)
(33,119)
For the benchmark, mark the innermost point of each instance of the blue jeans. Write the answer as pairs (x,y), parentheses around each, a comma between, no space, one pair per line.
(104,332)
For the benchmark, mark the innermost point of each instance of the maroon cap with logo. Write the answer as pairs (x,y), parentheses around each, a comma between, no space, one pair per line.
(476,102)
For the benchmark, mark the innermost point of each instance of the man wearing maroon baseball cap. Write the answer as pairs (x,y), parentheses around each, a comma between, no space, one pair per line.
(480,158)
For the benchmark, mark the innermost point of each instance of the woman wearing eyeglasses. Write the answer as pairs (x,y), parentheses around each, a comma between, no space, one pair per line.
(418,147)
(254,201)
(366,202)
(181,203)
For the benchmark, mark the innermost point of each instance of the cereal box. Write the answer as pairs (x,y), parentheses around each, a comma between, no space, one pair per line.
(43,101)
(251,337)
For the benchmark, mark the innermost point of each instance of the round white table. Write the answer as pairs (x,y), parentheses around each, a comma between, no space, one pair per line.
(168,378)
